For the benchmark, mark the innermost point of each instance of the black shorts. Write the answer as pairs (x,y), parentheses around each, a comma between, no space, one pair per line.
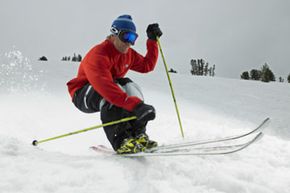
(87,100)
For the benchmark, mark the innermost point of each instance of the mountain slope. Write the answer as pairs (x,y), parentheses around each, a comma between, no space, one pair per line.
(209,107)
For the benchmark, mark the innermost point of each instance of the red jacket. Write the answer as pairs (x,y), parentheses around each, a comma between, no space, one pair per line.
(104,63)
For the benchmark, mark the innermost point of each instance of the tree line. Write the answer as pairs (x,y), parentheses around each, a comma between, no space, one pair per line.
(265,74)
(74,58)
(201,68)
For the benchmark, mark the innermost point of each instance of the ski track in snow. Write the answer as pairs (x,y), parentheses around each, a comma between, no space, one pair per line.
(209,107)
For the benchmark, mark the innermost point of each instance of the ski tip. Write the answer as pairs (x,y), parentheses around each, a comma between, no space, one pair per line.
(260,135)
(34,142)
(267,121)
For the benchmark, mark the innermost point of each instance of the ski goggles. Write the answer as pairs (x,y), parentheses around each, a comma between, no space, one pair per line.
(125,36)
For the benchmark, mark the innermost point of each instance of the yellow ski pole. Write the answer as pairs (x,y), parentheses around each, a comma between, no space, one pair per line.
(36,142)
(171,87)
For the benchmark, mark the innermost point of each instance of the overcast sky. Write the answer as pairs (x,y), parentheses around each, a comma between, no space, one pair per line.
(235,35)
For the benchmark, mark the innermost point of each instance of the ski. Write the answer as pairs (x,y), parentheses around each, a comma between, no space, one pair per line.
(213,150)
(218,146)
(200,152)
(200,148)
(259,128)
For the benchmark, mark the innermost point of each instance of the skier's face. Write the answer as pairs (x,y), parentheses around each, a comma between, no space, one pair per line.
(121,46)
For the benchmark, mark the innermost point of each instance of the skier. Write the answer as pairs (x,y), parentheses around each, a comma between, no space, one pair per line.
(101,85)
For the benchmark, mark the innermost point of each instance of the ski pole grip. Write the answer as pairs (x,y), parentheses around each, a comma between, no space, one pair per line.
(34,142)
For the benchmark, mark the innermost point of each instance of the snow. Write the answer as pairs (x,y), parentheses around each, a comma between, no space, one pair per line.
(40,107)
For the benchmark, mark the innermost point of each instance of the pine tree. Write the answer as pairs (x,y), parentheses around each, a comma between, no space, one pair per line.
(245,75)
(206,69)
(200,66)
(74,58)
(43,58)
(281,79)
(255,74)
(194,67)
(213,70)
(79,58)
(267,75)
(192,63)
(288,78)
(210,71)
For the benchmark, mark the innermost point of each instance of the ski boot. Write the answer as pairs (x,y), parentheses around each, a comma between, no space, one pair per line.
(144,140)
(130,145)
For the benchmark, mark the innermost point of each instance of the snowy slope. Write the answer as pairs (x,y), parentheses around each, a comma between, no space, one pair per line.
(35,105)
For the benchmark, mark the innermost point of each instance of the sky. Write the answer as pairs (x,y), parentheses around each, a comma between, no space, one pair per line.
(235,35)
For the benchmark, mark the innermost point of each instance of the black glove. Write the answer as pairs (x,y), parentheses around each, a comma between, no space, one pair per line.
(153,31)
(144,112)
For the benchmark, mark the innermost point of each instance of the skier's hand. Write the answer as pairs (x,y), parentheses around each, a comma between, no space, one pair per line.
(144,112)
(153,31)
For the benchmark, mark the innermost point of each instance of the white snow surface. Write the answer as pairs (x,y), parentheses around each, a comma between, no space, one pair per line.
(35,104)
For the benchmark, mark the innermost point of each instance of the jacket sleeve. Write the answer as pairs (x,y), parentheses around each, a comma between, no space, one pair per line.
(146,64)
(97,69)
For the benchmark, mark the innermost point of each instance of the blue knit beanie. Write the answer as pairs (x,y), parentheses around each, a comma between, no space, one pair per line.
(123,22)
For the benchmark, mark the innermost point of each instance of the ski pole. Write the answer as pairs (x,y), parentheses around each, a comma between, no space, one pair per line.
(36,142)
(171,87)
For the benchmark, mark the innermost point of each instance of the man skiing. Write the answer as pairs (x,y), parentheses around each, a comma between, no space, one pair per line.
(101,85)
